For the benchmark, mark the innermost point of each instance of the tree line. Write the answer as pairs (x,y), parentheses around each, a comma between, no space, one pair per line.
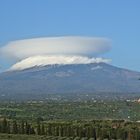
(92,129)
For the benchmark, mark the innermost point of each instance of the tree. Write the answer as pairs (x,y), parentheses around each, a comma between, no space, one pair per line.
(32,131)
(15,128)
(38,128)
(8,128)
(22,128)
(42,129)
(28,128)
(4,126)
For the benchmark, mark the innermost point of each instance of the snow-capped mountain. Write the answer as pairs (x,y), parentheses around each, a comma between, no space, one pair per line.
(44,60)
(70,79)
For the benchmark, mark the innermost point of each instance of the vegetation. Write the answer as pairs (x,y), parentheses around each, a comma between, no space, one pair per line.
(23,137)
(67,120)
(96,129)
(68,110)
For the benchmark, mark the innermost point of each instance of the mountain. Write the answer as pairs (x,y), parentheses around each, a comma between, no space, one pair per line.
(72,79)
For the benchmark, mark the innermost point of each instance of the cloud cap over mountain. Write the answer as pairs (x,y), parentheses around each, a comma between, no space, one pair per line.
(65,45)
(61,60)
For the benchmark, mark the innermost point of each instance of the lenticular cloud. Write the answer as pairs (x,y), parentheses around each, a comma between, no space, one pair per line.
(56,50)
(87,46)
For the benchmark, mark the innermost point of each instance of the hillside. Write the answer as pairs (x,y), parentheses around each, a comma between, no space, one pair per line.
(70,79)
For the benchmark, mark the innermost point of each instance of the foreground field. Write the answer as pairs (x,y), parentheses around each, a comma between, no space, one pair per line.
(27,137)
(19,137)
(68,120)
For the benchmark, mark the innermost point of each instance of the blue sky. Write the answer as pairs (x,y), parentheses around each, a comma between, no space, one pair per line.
(118,20)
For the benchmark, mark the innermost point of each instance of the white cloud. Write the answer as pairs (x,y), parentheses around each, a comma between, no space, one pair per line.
(55,50)
(69,45)
(53,59)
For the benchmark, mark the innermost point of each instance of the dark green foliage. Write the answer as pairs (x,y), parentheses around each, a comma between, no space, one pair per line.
(15,128)
(27,128)
(4,126)
(42,129)
(58,110)
(22,127)
(38,128)
(78,129)
(95,129)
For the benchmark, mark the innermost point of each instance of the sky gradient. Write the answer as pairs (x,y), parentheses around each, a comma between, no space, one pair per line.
(117,20)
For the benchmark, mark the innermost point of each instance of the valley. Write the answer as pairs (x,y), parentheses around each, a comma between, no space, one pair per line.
(71,110)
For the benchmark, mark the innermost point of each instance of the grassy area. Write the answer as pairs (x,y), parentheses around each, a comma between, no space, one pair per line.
(27,137)
(20,137)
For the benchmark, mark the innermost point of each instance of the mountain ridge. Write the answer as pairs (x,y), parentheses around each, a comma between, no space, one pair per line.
(70,79)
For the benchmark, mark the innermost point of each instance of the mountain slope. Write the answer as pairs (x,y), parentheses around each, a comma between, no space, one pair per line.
(70,79)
